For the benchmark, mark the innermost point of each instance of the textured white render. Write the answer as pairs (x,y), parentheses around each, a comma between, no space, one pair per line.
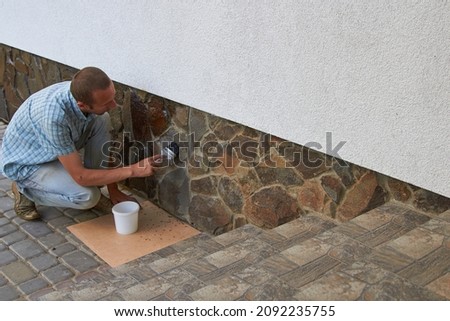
(375,74)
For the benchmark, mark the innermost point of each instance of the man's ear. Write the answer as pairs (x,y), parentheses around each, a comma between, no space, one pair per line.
(83,106)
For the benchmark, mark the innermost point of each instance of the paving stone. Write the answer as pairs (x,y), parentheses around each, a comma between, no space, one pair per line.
(13,237)
(8,293)
(228,288)
(3,221)
(350,251)
(364,271)
(85,216)
(395,288)
(26,249)
(372,220)
(7,229)
(227,256)
(7,257)
(36,229)
(274,290)
(141,273)
(277,264)
(49,213)
(146,290)
(292,228)
(296,239)
(52,240)
(3,281)
(383,234)
(80,261)
(411,219)
(306,251)
(175,260)
(270,237)
(254,275)
(57,274)
(92,292)
(225,271)
(166,251)
(242,233)
(10,214)
(180,292)
(441,286)
(334,286)
(309,272)
(389,259)
(428,268)
(61,249)
(445,216)
(2,247)
(332,237)
(33,285)
(18,272)
(178,276)
(438,226)
(392,208)
(417,243)
(114,296)
(202,241)
(199,267)
(5,184)
(43,262)
(61,223)
(350,229)
(6,204)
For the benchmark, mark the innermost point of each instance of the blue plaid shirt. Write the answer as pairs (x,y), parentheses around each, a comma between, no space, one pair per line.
(46,126)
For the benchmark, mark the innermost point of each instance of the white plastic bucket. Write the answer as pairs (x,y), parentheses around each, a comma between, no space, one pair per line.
(126,216)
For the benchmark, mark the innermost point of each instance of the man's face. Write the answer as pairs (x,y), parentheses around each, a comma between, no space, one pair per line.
(103,101)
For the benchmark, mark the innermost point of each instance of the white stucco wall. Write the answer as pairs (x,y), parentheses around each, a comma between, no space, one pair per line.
(374,73)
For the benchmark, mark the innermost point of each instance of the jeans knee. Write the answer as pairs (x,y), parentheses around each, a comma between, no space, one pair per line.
(88,199)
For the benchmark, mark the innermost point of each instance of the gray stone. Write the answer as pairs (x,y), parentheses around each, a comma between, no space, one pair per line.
(7,257)
(60,250)
(61,223)
(17,272)
(49,213)
(3,221)
(278,175)
(174,192)
(6,204)
(197,123)
(332,187)
(57,274)
(206,185)
(80,261)
(8,293)
(33,285)
(14,237)
(51,240)
(26,249)
(36,229)
(43,262)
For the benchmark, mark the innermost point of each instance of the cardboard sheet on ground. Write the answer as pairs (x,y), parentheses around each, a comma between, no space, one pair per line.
(157,229)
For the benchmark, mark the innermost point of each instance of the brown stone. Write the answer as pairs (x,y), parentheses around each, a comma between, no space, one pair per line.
(21,86)
(20,66)
(431,202)
(250,132)
(231,194)
(333,187)
(285,176)
(2,64)
(142,128)
(358,197)
(311,196)
(180,115)
(206,185)
(309,163)
(11,96)
(248,180)
(159,116)
(197,123)
(209,213)
(226,130)
(399,190)
(239,220)
(270,207)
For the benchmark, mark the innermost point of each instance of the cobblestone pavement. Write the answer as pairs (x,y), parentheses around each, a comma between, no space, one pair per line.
(389,253)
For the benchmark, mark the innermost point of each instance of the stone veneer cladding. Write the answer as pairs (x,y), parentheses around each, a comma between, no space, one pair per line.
(214,185)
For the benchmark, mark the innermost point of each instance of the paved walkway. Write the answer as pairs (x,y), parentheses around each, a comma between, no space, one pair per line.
(390,253)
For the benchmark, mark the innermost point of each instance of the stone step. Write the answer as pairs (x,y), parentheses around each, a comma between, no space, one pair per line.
(391,243)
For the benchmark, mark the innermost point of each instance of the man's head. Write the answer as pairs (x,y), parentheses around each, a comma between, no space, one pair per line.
(93,91)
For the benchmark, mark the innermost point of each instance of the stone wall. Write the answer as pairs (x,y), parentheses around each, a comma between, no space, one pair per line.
(227,174)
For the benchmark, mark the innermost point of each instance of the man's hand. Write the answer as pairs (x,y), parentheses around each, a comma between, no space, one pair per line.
(145,167)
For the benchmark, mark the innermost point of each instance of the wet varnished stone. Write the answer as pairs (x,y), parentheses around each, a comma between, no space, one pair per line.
(431,202)
(285,176)
(231,194)
(209,213)
(174,192)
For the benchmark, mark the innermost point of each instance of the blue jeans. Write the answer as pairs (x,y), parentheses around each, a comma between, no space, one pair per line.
(51,184)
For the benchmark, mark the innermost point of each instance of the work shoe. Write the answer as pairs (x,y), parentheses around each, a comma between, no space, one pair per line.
(24,207)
